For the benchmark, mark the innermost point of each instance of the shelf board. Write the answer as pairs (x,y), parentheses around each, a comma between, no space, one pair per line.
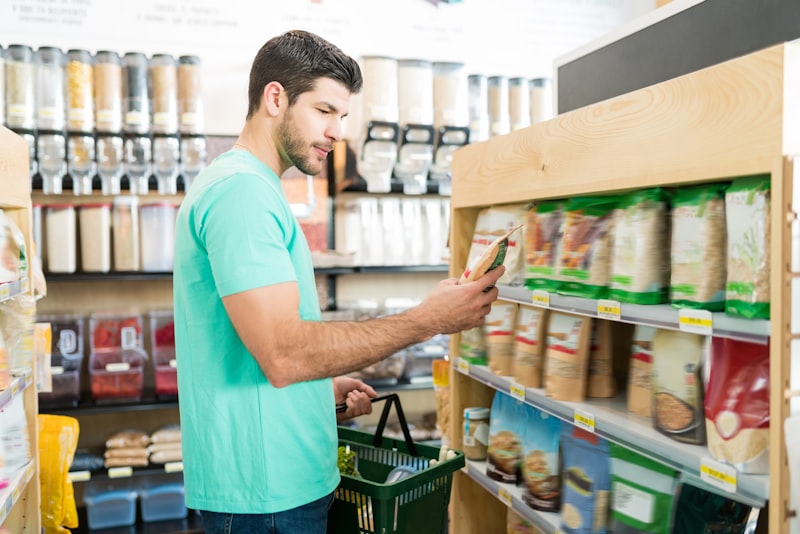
(18,385)
(612,421)
(89,407)
(115,473)
(120,275)
(11,493)
(511,496)
(656,315)
(10,290)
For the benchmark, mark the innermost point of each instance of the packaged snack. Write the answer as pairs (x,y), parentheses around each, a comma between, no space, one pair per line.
(506,426)
(491,257)
(640,380)
(540,464)
(499,329)
(585,481)
(543,232)
(567,356)
(530,345)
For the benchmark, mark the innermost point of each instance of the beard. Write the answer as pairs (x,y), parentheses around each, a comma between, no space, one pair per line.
(296,149)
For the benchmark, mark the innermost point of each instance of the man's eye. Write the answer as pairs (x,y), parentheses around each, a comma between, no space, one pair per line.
(324,111)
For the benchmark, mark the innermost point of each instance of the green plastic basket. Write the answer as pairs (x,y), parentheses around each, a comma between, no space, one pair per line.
(416,504)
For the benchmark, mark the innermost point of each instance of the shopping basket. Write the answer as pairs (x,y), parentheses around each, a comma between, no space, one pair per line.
(417,504)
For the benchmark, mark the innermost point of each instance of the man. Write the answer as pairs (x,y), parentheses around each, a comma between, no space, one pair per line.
(255,362)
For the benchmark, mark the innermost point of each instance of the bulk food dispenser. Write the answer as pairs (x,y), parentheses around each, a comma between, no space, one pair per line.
(51,145)
(415,106)
(81,164)
(108,120)
(451,118)
(166,147)
(192,127)
(20,97)
(136,122)
(380,111)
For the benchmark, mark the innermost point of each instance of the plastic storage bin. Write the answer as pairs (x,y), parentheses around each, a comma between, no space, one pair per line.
(116,363)
(66,357)
(157,231)
(162,502)
(115,508)
(162,341)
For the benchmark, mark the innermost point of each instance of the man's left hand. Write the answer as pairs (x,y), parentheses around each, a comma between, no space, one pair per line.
(355,394)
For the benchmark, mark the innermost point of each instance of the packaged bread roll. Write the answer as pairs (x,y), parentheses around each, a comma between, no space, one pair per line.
(491,257)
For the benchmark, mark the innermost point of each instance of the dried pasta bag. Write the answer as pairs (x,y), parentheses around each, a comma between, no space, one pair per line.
(499,328)
(495,243)
(506,427)
(543,231)
(567,356)
(698,250)
(737,404)
(699,510)
(642,493)
(585,481)
(678,385)
(585,252)
(640,377)
(541,472)
(530,345)
(747,211)
(640,259)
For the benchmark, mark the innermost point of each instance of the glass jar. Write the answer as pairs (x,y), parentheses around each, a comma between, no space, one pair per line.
(125,229)
(61,238)
(519,109)
(135,99)
(80,91)
(50,110)
(476,433)
(20,77)
(499,123)
(190,95)
(163,77)
(108,92)
(95,228)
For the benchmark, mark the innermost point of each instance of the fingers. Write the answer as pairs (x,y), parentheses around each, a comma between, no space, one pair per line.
(358,403)
(490,278)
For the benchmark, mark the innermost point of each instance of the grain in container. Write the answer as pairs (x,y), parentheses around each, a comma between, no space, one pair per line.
(379,92)
(125,230)
(95,229)
(61,237)
(519,107)
(20,83)
(108,92)
(499,120)
(80,91)
(50,113)
(164,80)
(157,230)
(450,95)
(541,97)
(415,91)
(190,94)
(135,99)
(478,102)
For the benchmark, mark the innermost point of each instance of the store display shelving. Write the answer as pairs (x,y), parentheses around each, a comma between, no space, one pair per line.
(737,118)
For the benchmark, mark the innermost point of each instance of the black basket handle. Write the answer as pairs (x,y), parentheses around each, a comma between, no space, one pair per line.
(390,398)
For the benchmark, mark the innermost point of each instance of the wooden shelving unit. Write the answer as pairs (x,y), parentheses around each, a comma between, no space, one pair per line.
(741,117)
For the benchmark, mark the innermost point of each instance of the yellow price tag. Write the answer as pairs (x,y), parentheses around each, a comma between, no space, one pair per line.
(173,467)
(5,292)
(541,298)
(695,321)
(120,472)
(504,495)
(718,474)
(80,476)
(15,387)
(463,366)
(584,420)
(609,309)
(517,391)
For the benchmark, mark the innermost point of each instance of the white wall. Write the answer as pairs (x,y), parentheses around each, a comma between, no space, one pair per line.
(493,37)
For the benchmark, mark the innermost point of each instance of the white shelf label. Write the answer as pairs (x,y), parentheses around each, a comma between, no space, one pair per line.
(504,495)
(541,298)
(56,370)
(468,441)
(717,474)
(584,420)
(695,321)
(79,476)
(118,367)
(517,391)
(173,467)
(173,363)
(120,472)
(463,366)
(608,309)
(129,337)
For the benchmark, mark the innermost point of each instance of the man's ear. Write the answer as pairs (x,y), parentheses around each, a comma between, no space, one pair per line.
(274,98)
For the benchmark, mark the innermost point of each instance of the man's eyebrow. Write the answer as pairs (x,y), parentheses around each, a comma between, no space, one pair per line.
(330,107)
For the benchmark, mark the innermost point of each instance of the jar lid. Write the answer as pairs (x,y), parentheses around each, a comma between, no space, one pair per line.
(476,413)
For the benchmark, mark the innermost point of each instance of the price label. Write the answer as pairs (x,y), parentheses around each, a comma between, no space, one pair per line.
(463,366)
(504,495)
(695,321)
(517,391)
(468,441)
(80,476)
(15,387)
(5,292)
(15,494)
(541,298)
(584,420)
(718,474)
(56,370)
(608,309)
(173,363)
(173,467)
(120,472)
(118,367)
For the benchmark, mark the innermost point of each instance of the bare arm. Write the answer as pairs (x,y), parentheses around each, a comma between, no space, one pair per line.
(291,350)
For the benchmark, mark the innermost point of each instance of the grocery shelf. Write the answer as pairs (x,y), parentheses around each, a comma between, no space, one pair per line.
(511,496)
(657,315)
(11,493)
(126,472)
(10,290)
(610,419)
(18,384)
(90,407)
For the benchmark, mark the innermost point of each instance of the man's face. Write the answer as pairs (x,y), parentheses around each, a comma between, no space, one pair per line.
(311,126)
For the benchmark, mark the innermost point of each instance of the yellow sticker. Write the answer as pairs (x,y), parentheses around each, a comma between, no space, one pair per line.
(5,292)
(718,474)
(504,495)
(120,472)
(541,298)
(80,476)
(609,309)
(695,321)
(584,420)
(26,285)
(463,366)
(517,391)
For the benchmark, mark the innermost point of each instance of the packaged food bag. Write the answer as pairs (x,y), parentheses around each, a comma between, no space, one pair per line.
(499,329)
(640,378)
(737,404)
(544,226)
(747,212)
(506,427)
(530,345)
(491,257)
(699,510)
(567,356)
(698,249)
(586,481)
(642,493)
(494,243)
(541,474)
(58,440)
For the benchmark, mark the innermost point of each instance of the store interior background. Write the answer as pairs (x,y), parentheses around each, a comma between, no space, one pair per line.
(497,37)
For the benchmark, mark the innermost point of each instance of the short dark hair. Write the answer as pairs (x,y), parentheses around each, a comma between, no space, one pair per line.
(296,59)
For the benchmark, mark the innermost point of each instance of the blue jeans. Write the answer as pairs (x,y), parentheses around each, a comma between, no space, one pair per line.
(311,518)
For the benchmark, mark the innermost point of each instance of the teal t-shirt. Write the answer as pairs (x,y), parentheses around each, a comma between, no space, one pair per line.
(248,447)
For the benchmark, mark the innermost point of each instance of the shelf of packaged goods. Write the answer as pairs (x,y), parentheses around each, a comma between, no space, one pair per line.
(10,290)
(511,496)
(656,315)
(114,473)
(11,493)
(610,419)
(18,385)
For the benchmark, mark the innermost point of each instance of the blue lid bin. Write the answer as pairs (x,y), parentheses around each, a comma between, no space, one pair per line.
(116,508)
(162,502)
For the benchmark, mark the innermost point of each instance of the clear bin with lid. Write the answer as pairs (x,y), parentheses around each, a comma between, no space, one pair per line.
(50,109)
(125,230)
(108,92)
(80,91)
(114,331)
(164,82)
(66,357)
(157,230)
(95,229)
(162,343)
(20,78)
(109,508)
(450,94)
(476,433)
(116,362)
(162,502)
(499,119)
(61,238)
(190,94)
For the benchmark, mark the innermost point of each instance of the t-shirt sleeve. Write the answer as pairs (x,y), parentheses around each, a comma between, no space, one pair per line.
(244,230)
